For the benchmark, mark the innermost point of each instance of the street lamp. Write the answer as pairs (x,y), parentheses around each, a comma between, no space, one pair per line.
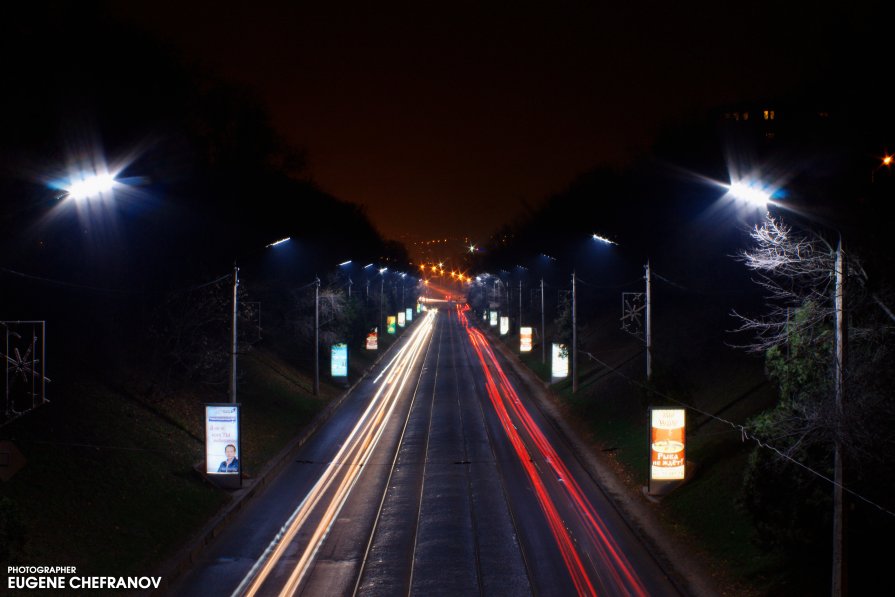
(751,193)
(90,186)
(382,271)
(234,346)
(603,239)
(367,280)
(345,264)
(758,196)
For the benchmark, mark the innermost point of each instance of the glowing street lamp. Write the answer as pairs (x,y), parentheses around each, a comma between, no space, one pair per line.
(345,265)
(751,193)
(90,186)
(278,242)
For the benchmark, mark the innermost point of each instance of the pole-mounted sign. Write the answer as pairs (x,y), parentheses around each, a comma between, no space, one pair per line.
(667,449)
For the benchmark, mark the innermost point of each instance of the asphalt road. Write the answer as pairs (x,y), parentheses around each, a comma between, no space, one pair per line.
(438,476)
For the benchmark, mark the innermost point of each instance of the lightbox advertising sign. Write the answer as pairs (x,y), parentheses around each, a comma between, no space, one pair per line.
(222,439)
(493,321)
(525,339)
(339,360)
(667,446)
(504,325)
(401,321)
(560,361)
(419,307)
(409,316)
(390,324)
(373,339)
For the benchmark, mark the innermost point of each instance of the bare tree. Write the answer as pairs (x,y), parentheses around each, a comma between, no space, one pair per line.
(796,270)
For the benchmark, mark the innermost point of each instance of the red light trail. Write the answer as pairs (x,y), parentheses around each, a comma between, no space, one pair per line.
(621,577)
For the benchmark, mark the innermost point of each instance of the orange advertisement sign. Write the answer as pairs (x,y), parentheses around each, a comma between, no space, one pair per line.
(525,339)
(667,444)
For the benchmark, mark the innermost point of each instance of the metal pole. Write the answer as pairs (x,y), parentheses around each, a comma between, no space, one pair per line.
(574,337)
(43,362)
(840,585)
(316,336)
(649,326)
(519,325)
(234,347)
(381,291)
(349,288)
(543,338)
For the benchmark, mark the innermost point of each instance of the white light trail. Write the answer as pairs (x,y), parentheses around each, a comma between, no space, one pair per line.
(342,473)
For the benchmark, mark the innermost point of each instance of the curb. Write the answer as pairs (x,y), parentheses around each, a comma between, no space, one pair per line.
(175,568)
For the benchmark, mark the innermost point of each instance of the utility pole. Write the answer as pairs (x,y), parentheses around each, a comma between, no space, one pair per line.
(649,326)
(543,338)
(316,336)
(233,345)
(574,337)
(840,585)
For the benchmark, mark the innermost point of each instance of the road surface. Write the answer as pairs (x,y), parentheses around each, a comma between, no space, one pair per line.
(436,476)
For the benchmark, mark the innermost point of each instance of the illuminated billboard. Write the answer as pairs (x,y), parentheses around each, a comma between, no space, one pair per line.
(338,362)
(667,448)
(525,339)
(419,307)
(401,321)
(504,325)
(222,442)
(390,324)
(493,321)
(373,339)
(560,361)
(409,316)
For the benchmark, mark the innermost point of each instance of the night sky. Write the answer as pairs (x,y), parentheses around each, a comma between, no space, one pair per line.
(469,110)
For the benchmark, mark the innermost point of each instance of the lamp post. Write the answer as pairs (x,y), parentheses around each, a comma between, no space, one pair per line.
(233,343)
(758,196)
(648,327)
(574,337)
(543,338)
(381,293)
(367,280)
(345,264)
(316,336)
